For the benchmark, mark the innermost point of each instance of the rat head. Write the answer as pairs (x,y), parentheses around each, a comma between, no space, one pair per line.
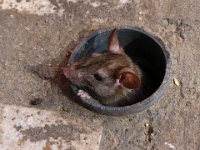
(106,74)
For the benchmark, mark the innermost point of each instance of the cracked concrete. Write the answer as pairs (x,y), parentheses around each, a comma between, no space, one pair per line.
(34,42)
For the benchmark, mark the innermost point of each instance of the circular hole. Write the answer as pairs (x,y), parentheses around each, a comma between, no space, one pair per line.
(146,51)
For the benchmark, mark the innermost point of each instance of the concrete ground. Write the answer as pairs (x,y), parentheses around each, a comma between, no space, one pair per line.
(35,113)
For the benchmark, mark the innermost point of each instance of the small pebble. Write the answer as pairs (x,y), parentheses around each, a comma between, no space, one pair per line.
(176,82)
(146,125)
(140,18)
(27,28)
(140,13)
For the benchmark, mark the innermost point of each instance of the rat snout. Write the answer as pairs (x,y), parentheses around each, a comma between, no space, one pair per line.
(70,72)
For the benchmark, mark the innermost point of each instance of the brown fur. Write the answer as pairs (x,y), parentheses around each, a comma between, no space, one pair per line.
(105,64)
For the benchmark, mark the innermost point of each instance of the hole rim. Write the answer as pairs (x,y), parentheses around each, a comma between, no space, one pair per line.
(145,103)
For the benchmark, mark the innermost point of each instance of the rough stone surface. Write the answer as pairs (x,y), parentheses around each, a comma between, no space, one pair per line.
(33,46)
(29,128)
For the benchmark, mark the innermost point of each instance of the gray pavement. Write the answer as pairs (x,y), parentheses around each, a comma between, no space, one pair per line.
(34,39)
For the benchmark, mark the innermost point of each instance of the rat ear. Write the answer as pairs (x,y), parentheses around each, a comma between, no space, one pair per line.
(113,43)
(128,80)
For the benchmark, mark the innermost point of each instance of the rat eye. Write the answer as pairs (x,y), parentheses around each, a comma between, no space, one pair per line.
(97,77)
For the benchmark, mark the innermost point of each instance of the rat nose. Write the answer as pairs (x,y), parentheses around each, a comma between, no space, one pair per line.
(70,72)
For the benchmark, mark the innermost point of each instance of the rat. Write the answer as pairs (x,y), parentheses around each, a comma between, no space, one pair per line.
(110,77)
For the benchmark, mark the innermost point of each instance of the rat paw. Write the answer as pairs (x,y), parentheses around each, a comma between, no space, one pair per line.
(83,94)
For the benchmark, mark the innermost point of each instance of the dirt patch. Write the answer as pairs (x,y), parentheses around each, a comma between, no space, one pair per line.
(67,132)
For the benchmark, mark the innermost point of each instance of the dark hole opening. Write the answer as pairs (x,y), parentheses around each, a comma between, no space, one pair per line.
(148,55)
